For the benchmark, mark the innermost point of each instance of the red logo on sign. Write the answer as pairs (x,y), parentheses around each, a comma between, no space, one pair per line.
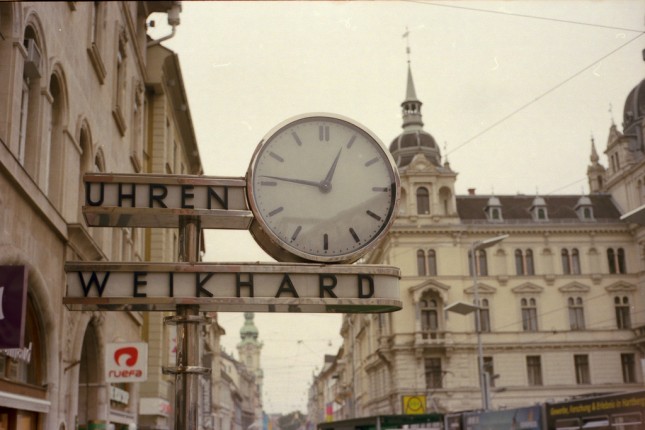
(130,352)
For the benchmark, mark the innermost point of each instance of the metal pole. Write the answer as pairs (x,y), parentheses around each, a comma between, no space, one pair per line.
(480,349)
(187,320)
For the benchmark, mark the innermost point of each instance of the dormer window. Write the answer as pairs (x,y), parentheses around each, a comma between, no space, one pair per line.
(539,210)
(584,209)
(494,209)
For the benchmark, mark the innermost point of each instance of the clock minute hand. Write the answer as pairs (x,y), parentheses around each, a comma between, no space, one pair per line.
(332,169)
(295,181)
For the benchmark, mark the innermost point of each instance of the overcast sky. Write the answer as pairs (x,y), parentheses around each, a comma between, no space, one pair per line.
(515,90)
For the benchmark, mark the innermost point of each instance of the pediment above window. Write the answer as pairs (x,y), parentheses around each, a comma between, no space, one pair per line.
(527,288)
(418,290)
(620,286)
(481,289)
(574,287)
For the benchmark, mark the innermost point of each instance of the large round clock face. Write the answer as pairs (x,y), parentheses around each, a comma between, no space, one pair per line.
(322,189)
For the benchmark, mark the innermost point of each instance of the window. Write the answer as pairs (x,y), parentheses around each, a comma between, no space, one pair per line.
(528,259)
(570,261)
(623,317)
(519,262)
(575,261)
(423,201)
(484,316)
(432,262)
(566,264)
(524,262)
(433,372)
(628,364)
(490,369)
(529,314)
(576,314)
(480,262)
(421,263)
(581,363)
(429,314)
(426,262)
(616,260)
(534,369)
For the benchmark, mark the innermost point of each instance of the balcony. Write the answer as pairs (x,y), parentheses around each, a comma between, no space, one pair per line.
(432,339)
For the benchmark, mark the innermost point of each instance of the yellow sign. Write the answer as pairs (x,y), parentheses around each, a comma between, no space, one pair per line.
(414,405)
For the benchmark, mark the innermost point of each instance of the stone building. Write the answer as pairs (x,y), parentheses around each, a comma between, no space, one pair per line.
(83,89)
(560,298)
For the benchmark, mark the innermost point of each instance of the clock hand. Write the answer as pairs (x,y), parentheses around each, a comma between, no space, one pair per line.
(327,181)
(295,181)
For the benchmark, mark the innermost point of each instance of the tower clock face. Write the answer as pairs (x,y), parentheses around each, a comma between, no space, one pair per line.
(322,189)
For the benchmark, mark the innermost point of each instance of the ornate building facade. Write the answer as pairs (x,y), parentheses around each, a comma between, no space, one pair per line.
(559,281)
(83,89)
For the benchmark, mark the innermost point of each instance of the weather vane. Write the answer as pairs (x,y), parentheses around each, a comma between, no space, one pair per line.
(406,36)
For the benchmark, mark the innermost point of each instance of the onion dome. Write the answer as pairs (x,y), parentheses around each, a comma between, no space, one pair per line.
(413,140)
(249,331)
(634,107)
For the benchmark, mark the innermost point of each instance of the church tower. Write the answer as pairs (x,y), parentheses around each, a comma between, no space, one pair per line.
(249,349)
(427,185)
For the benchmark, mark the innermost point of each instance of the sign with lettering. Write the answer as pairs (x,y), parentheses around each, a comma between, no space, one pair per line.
(146,200)
(239,287)
(126,362)
(13,306)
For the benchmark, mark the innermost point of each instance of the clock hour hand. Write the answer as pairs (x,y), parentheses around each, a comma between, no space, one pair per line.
(295,181)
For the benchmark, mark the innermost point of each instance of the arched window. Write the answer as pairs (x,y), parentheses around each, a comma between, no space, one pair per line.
(55,139)
(28,144)
(616,260)
(480,263)
(566,264)
(432,262)
(421,263)
(519,262)
(423,201)
(530,267)
(575,261)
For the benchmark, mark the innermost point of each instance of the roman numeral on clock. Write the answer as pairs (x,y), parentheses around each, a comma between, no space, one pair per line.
(323,133)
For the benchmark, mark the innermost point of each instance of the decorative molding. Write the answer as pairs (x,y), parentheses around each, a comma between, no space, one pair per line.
(97,62)
(621,286)
(481,289)
(574,287)
(527,288)
(119,120)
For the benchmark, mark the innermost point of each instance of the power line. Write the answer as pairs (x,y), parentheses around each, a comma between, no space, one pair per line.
(541,96)
(542,18)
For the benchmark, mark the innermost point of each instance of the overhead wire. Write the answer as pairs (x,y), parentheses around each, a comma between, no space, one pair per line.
(542,95)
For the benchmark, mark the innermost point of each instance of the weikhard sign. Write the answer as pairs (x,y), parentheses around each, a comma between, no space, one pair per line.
(268,287)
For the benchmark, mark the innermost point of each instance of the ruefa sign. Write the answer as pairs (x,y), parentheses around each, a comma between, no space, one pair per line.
(145,200)
(272,287)
(126,362)
(13,304)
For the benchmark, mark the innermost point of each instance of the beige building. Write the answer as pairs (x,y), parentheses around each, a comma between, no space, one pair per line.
(561,298)
(83,89)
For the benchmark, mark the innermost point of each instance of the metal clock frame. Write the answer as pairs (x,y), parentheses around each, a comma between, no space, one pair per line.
(283,251)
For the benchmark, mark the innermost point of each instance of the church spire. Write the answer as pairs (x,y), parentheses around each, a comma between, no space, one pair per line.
(411,106)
